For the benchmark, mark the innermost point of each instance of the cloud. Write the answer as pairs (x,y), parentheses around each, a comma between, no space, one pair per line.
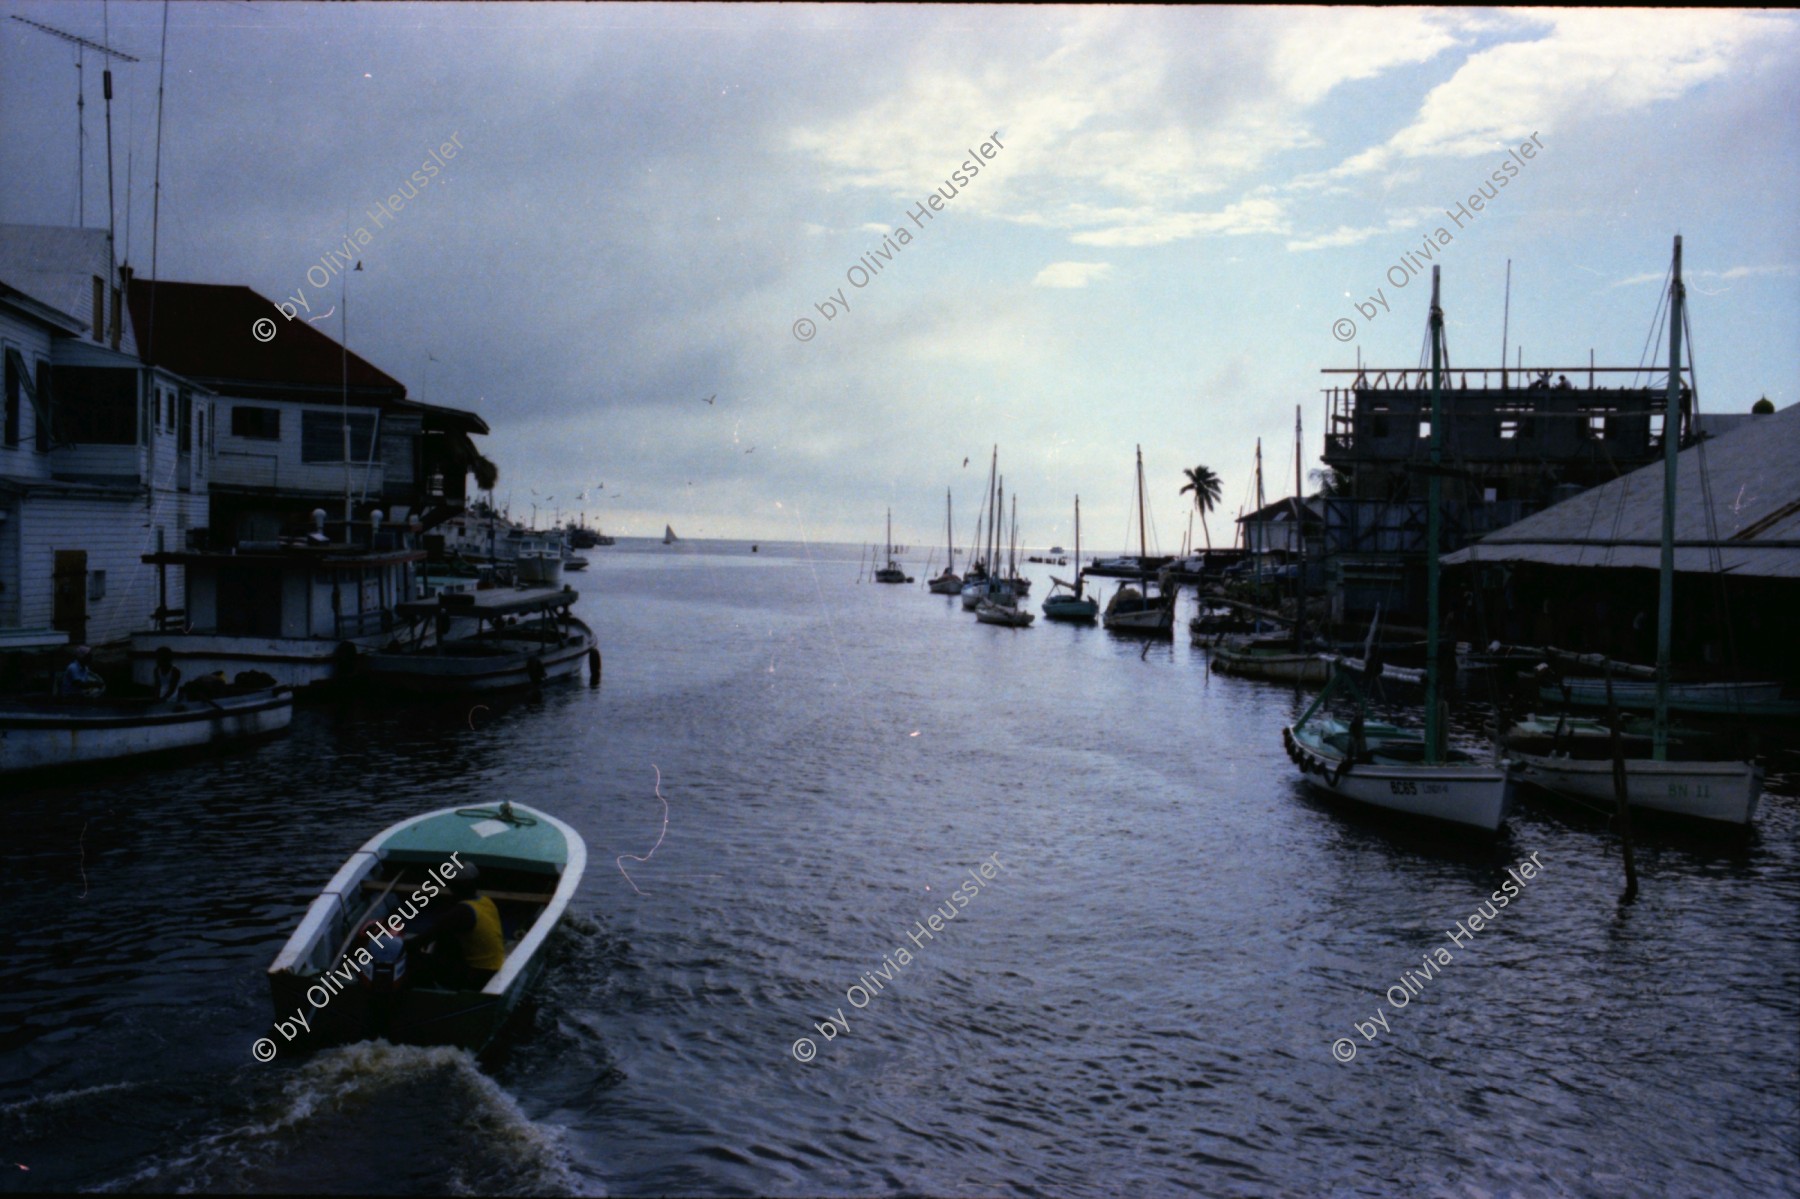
(1071,274)
(1587,64)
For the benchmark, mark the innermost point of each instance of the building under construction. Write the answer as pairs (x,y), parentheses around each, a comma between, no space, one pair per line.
(1514,442)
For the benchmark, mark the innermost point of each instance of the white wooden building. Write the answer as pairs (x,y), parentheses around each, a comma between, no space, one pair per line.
(102,458)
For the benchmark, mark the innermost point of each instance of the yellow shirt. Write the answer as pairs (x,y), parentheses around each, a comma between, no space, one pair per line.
(484,947)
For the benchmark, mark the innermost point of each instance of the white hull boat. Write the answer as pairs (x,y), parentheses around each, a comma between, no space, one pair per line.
(41,734)
(1390,774)
(1725,792)
(531,864)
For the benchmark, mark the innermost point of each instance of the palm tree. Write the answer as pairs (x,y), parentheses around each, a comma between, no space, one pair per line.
(1205,486)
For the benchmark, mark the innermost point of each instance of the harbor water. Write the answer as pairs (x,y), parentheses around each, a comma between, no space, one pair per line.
(790,782)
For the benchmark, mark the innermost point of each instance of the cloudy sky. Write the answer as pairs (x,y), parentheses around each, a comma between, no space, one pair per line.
(1183,206)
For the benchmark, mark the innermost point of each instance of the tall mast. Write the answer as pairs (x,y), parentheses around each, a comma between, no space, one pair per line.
(949,537)
(1143,544)
(1299,537)
(1665,583)
(999,526)
(1077,547)
(1433,733)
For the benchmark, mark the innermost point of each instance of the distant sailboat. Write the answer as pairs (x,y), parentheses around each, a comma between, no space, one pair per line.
(669,537)
(948,583)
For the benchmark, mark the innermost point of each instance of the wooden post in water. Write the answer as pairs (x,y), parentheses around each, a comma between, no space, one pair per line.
(1618,773)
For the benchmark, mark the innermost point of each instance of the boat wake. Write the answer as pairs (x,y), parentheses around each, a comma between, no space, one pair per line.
(375,1117)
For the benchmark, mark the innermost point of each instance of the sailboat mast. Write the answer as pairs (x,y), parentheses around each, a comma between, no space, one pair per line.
(1143,544)
(1299,537)
(1665,582)
(1000,524)
(890,537)
(1077,547)
(1433,487)
(949,537)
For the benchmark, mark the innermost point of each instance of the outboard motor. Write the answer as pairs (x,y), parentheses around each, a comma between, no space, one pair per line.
(385,974)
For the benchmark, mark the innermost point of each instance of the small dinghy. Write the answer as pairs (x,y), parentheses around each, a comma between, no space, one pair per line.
(41,733)
(345,975)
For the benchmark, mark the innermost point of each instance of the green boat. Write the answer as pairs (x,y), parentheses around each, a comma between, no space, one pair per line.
(325,984)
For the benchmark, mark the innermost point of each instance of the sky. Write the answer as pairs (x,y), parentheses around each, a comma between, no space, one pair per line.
(1182,211)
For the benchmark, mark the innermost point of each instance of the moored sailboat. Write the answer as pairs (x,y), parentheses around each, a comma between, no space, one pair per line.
(1723,791)
(1138,610)
(948,583)
(1070,603)
(1407,770)
(891,573)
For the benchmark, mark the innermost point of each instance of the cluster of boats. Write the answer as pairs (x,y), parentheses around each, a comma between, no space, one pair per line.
(267,620)
(993,591)
(1413,771)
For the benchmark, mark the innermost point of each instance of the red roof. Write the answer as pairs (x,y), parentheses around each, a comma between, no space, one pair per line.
(205,331)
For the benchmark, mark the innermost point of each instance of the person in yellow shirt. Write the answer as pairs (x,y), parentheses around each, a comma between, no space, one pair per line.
(466,940)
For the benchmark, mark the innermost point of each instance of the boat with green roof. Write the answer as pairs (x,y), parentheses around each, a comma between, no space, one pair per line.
(342,976)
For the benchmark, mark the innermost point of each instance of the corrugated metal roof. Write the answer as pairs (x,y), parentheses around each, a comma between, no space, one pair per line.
(1753,473)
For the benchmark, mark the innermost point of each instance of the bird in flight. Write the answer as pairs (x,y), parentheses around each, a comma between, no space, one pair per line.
(965,462)
(712,397)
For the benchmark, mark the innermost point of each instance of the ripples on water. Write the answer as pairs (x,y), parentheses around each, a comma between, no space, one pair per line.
(1142,1002)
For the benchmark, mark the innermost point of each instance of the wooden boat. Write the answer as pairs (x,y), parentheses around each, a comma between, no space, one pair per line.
(1720,790)
(1407,771)
(1136,610)
(1070,603)
(519,639)
(41,733)
(301,610)
(948,583)
(1010,615)
(1572,757)
(530,863)
(669,537)
(1271,658)
(891,573)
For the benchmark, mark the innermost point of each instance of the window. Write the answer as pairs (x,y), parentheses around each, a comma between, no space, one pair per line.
(1596,426)
(42,430)
(322,436)
(1424,429)
(96,405)
(99,309)
(12,397)
(263,424)
(168,407)
(185,434)
(96,585)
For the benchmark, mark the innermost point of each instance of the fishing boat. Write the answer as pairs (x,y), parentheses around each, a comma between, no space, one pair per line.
(1066,601)
(511,639)
(1138,610)
(1409,771)
(891,573)
(669,537)
(530,864)
(1721,791)
(948,583)
(43,733)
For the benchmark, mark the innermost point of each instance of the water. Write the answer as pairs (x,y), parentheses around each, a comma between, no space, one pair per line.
(1143,1000)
